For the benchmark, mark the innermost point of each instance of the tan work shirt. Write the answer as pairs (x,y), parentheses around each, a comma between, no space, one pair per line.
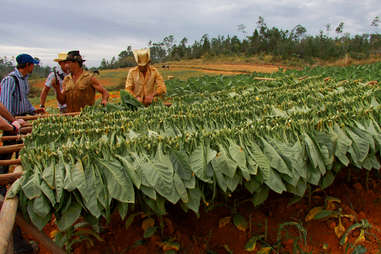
(140,86)
(80,93)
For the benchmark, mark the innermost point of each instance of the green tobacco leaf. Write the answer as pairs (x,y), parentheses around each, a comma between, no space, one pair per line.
(48,174)
(31,188)
(41,206)
(70,216)
(342,144)
(15,189)
(275,182)
(194,200)
(314,154)
(252,186)
(221,181)
(118,184)
(260,196)
(148,191)
(59,179)
(123,209)
(276,161)
(159,174)
(200,159)
(181,164)
(223,164)
(127,99)
(131,171)
(260,158)
(238,155)
(38,221)
(232,183)
(327,180)
(240,222)
(360,147)
(180,188)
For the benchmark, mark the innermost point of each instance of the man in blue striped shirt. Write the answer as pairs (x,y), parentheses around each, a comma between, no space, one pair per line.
(14,95)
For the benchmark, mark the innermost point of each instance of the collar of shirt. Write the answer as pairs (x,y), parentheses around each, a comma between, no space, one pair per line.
(19,75)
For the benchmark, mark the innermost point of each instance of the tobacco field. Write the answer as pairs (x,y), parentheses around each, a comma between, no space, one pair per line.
(257,133)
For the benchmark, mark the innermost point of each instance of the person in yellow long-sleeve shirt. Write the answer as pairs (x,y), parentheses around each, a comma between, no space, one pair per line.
(144,81)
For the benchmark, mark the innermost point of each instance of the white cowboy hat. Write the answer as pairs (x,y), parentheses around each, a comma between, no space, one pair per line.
(142,56)
(61,57)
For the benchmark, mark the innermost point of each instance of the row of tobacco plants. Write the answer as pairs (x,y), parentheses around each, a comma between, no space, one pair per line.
(221,135)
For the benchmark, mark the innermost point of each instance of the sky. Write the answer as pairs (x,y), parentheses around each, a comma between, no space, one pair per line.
(102,29)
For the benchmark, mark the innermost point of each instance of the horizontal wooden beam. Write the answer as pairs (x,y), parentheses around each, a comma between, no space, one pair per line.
(9,138)
(10,162)
(11,148)
(9,178)
(34,117)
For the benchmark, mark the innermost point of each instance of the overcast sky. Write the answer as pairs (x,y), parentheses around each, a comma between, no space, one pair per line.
(101,29)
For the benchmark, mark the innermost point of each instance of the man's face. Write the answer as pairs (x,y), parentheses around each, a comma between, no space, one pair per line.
(29,68)
(63,66)
(70,66)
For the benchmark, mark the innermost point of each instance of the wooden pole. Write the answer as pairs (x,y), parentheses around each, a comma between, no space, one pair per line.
(11,148)
(9,138)
(26,118)
(10,162)
(262,78)
(38,236)
(7,219)
(9,178)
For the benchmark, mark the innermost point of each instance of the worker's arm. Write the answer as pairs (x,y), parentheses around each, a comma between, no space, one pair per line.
(95,83)
(59,94)
(5,125)
(44,94)
(6,114)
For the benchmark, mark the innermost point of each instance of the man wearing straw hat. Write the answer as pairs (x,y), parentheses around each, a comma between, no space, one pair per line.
(144,81)
(79,87)
(55,77)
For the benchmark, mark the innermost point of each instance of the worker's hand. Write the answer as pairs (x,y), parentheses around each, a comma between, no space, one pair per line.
(140,99)
(17,125)
(104,102)
(39,111)
(148,100)
(21,121)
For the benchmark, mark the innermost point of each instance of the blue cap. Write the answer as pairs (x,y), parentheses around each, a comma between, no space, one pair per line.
(25,58)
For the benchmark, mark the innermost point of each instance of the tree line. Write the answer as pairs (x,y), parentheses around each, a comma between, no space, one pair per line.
(8,64)
(329,44)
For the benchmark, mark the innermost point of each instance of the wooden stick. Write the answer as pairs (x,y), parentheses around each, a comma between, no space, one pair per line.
(11,148)
(9,138)
(10,162)
(9,178)
(7,219)
(11,245)
(35,234)
(261,78)
(46,115)
(38,236)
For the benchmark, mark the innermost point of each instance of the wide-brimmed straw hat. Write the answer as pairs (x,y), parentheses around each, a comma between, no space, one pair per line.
(61,57)
(142,56)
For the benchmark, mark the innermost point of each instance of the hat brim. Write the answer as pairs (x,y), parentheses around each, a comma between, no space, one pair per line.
(59,60)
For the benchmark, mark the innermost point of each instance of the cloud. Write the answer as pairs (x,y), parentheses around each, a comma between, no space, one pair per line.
(101,29)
